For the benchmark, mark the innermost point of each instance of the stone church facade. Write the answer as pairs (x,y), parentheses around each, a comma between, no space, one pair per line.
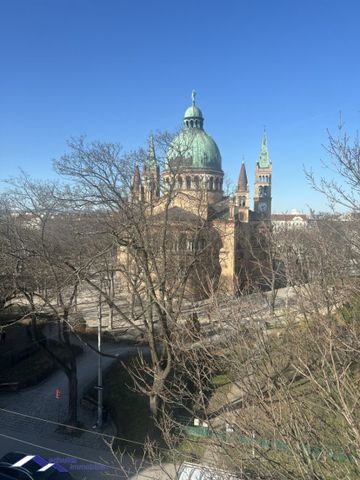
(193,173)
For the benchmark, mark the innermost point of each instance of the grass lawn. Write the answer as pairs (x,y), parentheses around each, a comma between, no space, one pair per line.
(220,380)
(128,409)
(192,447)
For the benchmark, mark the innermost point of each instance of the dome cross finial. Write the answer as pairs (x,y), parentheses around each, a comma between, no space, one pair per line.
(193,95)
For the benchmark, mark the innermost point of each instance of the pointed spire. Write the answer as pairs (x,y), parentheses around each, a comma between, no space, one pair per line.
(136,183)
(264,160)
(151,160)
(151,172)
(242,185)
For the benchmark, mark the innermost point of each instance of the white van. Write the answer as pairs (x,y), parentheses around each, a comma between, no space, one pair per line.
(191,471)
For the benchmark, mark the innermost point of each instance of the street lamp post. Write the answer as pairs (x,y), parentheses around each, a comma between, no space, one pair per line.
(100,379)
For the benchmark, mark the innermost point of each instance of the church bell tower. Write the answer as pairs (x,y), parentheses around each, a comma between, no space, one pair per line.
(242,196)
(263,177)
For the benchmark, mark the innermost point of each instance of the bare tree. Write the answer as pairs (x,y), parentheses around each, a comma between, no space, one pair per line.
(41,237)
(289,406)
(289,409)
(263,267)
(163,254)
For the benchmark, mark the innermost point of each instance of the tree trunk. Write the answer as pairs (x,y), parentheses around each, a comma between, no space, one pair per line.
(59,330)
(71,372)
(154,405)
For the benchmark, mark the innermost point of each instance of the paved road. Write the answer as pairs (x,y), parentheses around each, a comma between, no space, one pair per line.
(19,433)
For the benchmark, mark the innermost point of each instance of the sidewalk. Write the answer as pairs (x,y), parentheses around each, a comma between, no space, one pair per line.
(40,401)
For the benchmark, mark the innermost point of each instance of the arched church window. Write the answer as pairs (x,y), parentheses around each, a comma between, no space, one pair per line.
(190,244)
(188,183)
(201,244)
(216,184)
(197,182)
(211,183)
(191,123)
(182,242)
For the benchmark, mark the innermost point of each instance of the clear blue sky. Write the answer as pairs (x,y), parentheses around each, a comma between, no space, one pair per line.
(117,69)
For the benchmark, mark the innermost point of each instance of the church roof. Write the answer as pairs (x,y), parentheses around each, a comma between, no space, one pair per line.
(219,210)
(193,148)
(177,214)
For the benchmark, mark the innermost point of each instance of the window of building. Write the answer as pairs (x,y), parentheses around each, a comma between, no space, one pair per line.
(190,244)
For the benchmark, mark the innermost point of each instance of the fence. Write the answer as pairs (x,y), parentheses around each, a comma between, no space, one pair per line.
(334,454)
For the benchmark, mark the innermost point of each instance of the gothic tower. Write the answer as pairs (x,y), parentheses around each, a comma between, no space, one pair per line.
(151,175)
(263,174)
(242,195)
(136,189)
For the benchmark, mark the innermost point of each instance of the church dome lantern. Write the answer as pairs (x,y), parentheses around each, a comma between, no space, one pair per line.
(193,117)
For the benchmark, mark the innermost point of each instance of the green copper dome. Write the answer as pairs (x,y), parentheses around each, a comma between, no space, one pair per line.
(193,148)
